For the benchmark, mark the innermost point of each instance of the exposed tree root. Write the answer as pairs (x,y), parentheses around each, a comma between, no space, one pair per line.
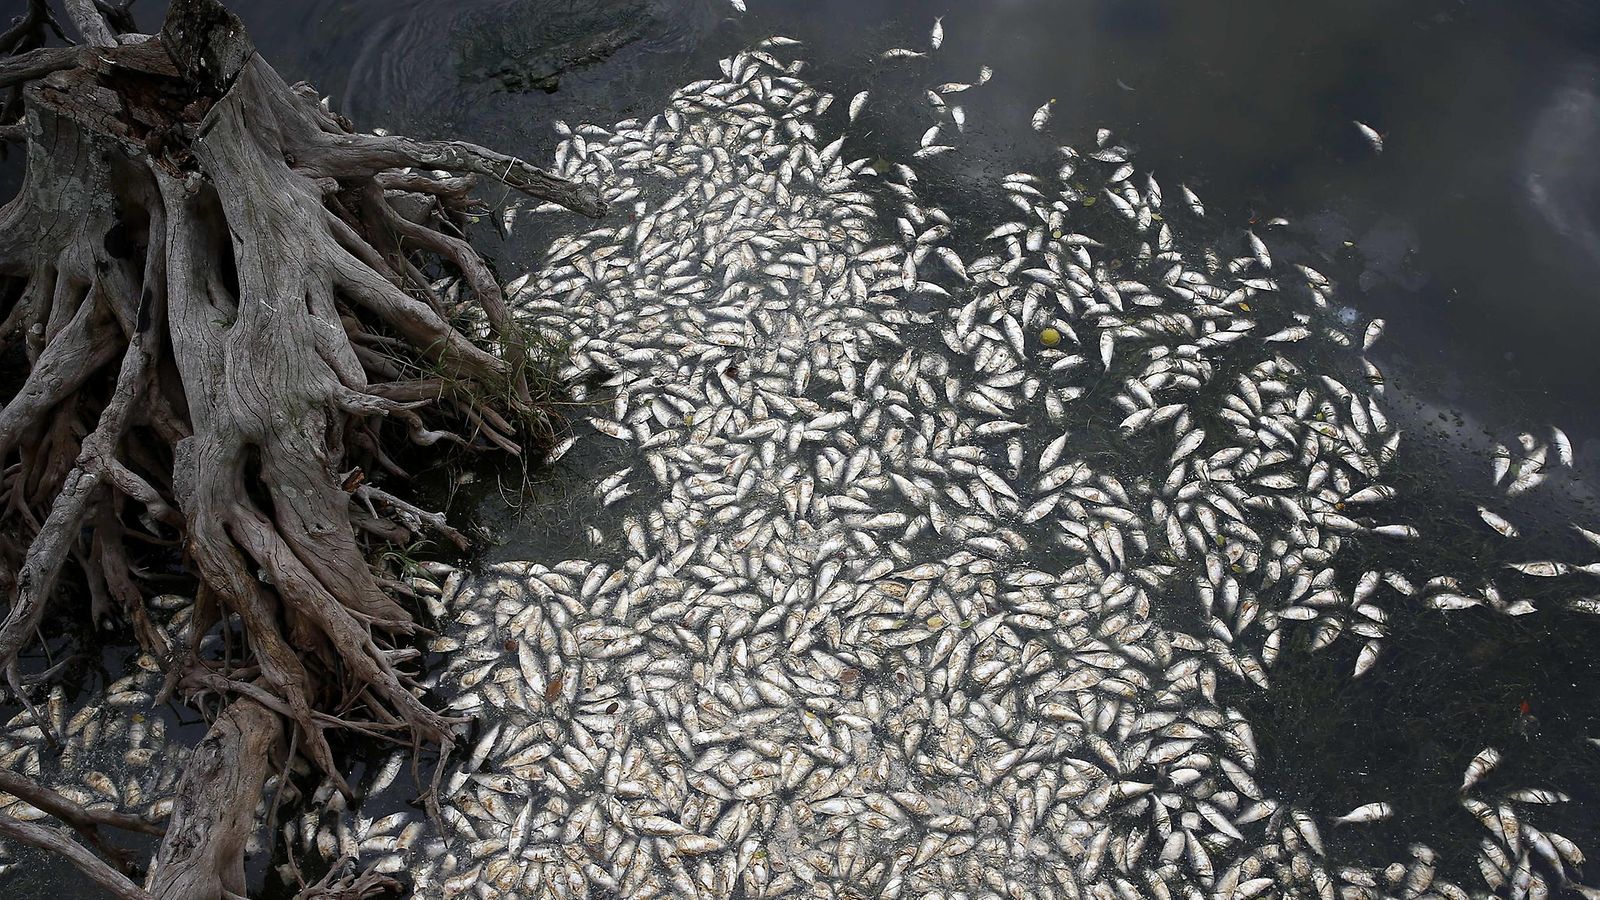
(48,839)
(203,853)
(254,268)
(341,883)
(85,821)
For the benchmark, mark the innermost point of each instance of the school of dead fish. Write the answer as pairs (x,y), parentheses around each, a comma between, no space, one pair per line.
(113,753)
(907,516)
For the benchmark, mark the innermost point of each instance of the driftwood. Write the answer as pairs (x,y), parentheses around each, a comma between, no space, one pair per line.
(216,285)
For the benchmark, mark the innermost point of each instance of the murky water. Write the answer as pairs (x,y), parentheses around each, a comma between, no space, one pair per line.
(1474,235)
(1473,231)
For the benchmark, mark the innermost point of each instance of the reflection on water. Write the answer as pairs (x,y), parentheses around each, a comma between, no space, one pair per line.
(418,64)
(1559,174)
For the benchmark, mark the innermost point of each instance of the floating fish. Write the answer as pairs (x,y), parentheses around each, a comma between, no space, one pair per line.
(857,103)
(1041,116)
(1563,445)
(1371,136)
(1481,765)
(1498,523)
(1541,568)
(1370,812)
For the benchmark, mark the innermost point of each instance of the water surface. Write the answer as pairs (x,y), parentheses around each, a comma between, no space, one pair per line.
(1474,234)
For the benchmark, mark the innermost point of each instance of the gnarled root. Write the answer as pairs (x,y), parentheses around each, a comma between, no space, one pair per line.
(254,267)
(342,883)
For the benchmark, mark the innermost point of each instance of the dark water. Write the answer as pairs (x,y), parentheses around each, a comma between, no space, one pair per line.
(1476,234)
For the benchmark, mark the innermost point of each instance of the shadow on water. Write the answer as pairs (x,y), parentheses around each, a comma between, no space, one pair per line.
(1476,234)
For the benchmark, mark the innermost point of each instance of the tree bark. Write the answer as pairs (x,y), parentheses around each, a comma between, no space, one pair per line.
(203,852)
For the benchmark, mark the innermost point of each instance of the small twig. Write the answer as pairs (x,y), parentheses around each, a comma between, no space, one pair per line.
(368,492)
(224,684)
(14,681)
(28,28)
(340,884)
(344,155)
(277,793)
(50,674)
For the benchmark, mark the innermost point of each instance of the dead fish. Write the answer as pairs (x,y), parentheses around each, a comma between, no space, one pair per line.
(1543,568)
(1480,765)
(857,103)
(1372,334)
(1041,116)
(1498,523)
(1371,135)
(1368,812)
(1563,445)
